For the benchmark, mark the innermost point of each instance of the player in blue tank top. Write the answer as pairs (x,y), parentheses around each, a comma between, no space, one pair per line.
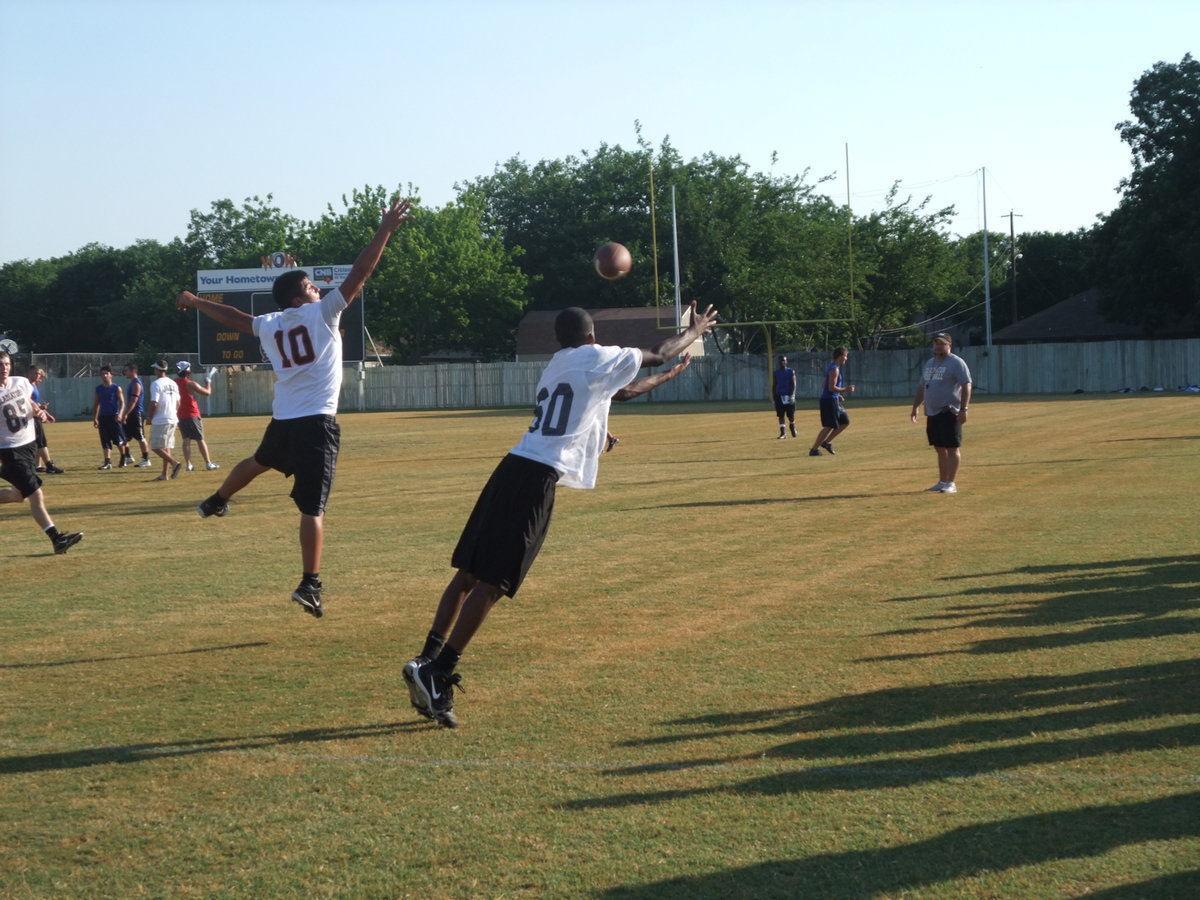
(783,391)
(833,412)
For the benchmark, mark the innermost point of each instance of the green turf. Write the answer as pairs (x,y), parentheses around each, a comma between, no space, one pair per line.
(735,671)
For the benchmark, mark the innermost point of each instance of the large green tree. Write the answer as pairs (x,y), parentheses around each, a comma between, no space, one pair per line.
(237,237)
(760,248)
(1149,247)
(97,298)
(905,267)
(446,284)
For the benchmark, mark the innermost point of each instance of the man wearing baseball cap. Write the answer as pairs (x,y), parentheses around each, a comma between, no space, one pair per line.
(945,389)
(163,415)
(191,425)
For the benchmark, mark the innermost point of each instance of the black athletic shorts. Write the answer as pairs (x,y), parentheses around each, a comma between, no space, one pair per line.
(307,448)
(39,434)
(943,429)
(782,408)
(18,466)
(833,413)
(112,432)
(133,427)
(506,529)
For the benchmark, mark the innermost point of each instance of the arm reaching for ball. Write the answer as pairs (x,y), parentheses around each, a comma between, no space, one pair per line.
(667,350)
(650,382)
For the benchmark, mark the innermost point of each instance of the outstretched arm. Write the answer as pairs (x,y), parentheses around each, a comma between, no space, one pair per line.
(650,382)
(670,348)
(393,217)
(226,315)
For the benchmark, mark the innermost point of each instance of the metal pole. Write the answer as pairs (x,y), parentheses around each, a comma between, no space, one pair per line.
(1012,253)
(675,241)
(987,276)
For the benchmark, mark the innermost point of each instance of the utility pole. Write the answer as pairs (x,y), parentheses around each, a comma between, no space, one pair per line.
(987,271)
(1012,252)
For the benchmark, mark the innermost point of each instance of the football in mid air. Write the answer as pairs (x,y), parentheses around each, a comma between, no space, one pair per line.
(612,261)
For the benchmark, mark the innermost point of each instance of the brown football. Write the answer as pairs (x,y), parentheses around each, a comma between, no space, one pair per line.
(612,260)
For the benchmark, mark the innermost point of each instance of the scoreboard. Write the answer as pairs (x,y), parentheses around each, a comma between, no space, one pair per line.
(250,291)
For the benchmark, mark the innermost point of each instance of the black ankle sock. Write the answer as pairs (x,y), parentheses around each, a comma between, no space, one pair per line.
(311,578)
(446,660)
(433,645)
(53,533)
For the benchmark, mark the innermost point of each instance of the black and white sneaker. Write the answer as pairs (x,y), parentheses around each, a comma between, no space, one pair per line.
(828,448)
(209,507)
(65,542)
(107,465)
(415,696)
(434,691)
(308,595)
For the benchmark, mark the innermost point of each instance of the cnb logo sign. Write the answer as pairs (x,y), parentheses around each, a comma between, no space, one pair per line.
(279,260)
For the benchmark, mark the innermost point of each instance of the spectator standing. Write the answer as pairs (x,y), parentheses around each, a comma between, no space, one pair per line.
(191,426)
(135,404)
(44,462)
(783,390)
(107,413)
(163,413)
(945,389)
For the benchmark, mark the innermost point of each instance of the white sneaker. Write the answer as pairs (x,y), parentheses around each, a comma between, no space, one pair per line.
(936,489)
(949,488)
(212,466)
(144,464)
(191,468)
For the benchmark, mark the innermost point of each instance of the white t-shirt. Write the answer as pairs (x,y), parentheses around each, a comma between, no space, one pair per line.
(164,392)
(570,422)
(304,347)
(16,405)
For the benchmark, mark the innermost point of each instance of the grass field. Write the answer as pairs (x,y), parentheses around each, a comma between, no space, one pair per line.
(735,671)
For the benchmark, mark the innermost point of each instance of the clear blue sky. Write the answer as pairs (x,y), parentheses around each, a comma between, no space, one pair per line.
(121,116)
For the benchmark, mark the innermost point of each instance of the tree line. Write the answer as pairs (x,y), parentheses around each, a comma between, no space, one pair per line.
(763,248)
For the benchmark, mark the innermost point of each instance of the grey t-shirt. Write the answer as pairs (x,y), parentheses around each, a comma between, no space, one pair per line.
(943,380)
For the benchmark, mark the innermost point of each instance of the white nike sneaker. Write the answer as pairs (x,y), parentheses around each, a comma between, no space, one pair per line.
(936,489)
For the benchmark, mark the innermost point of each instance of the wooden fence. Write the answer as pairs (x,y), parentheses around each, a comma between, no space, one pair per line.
(1011,369)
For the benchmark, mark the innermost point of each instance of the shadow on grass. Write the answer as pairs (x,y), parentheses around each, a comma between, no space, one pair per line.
(986,847)
(913,735)
(1090,603)
(98,659)
(760,501)
(137,753)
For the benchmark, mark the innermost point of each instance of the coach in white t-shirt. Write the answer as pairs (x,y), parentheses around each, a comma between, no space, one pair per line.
(304,347)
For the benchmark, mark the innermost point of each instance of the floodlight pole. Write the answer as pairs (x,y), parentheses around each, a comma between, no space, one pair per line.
(675,243)
(987,276)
